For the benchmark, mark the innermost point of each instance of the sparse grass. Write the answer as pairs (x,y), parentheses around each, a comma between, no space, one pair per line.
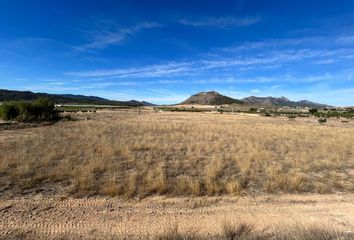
(245,231)
(122,153)
(240,231)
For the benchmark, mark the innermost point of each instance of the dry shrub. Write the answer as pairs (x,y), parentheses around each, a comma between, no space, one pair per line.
(238,231)
(233,187)
(172,233)
(155,181)
(300,232)
(187,185)
(246,231)
(111,187)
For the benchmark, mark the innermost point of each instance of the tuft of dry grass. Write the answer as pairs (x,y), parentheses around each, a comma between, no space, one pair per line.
(125,154)
(246,231)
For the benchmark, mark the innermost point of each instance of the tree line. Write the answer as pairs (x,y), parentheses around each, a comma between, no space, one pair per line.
(41,109)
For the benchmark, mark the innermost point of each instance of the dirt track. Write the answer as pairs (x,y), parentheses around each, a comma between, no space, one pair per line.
(78,218)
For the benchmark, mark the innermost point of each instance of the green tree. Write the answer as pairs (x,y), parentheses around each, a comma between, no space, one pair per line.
(39,110)
(8,111)
(313,111)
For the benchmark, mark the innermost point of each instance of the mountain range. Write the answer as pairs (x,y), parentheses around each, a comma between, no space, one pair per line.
(201,98)
(9,95)
(215,98)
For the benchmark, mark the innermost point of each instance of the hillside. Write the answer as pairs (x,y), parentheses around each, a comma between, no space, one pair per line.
(10,95)
(280,102)
(210,98)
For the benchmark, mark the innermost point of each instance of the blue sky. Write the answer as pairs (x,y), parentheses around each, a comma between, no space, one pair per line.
(164,51)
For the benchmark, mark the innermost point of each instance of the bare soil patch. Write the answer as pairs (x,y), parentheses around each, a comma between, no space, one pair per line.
(50,218)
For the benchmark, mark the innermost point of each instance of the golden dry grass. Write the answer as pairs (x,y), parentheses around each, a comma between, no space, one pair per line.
(126,154)
(246,231)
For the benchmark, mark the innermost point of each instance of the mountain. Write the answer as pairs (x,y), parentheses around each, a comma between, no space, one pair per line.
(306,103)
(9,95)
(210,98)
(215,98)
(268,101)
(280,102)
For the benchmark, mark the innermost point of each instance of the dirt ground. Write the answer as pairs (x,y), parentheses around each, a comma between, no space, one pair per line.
(62,218)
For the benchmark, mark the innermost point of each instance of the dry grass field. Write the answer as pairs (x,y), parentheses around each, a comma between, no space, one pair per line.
(188,154)
(177,176)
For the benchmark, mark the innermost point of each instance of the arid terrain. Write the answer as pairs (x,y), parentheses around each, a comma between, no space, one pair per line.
(115,174)
(106,218)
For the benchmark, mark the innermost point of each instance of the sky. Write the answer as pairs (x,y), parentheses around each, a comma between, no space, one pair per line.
(164,51)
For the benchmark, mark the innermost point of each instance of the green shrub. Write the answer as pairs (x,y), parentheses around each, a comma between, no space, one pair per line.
(38,110)
(322,120)
(313,111)
(8,111)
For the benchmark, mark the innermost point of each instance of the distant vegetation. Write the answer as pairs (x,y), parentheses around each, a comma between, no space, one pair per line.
(338,114)
(39,110)
(291,113)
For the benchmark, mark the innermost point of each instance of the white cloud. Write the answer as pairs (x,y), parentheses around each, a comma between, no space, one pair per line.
(221,22)
(255,91)
(170,81)
(107,34)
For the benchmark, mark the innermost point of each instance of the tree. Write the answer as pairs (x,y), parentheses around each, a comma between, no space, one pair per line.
(313,111)
(8,111)
(322,120)
(38,110)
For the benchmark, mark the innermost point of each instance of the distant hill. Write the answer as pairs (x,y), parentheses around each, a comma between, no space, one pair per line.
(9,95)
(210,98)
(281,102)
(215,98)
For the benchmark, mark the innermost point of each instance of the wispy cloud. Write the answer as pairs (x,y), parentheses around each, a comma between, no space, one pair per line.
(157,96)
(279,79)
(220,22)
(36,48)
(327,61)
(345,40)
(314,41)
(170,81)
(48,89)
(269,60)
(146,71)
(106,34)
